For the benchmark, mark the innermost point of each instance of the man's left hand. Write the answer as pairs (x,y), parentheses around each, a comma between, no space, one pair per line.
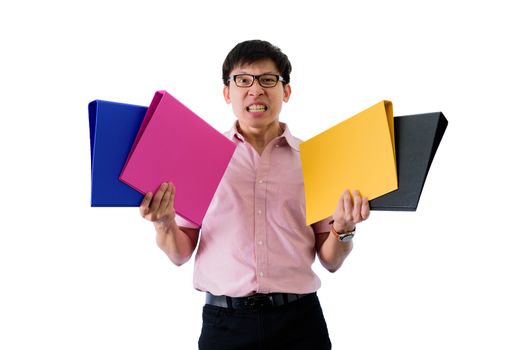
(350,211)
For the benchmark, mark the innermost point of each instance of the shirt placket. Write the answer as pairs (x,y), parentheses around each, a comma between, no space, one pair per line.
(261,251)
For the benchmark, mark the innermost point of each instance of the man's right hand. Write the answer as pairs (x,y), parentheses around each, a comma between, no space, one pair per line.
(160,207)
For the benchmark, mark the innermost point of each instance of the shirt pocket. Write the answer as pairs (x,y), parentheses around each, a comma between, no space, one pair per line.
(291,202)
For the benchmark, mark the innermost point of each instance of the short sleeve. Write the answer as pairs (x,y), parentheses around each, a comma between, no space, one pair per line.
(322,225)
(180,221)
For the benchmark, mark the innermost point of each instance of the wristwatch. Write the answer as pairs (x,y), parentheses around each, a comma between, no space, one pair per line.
(344,236)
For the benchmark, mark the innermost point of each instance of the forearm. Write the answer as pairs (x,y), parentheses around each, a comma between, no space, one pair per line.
(174,242)
(349,212)
(333,252)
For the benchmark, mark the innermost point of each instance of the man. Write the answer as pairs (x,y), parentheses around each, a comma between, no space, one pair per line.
(255,253)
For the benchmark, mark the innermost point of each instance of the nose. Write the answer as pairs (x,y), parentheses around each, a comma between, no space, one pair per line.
(256,89)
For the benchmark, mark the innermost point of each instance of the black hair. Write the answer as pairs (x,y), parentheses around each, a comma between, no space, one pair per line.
(251,51)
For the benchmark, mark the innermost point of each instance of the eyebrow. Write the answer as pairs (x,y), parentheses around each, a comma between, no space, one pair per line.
(244,72)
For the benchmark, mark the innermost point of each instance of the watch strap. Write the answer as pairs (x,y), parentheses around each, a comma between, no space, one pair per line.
(344,236)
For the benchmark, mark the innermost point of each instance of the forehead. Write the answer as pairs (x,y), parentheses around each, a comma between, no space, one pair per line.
(257,67)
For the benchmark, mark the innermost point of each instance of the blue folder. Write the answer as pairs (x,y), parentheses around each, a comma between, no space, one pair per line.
(113,127)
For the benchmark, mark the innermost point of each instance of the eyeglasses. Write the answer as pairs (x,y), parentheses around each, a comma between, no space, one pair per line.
(265,80)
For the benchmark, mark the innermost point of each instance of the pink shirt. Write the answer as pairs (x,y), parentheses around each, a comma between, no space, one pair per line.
(254,237)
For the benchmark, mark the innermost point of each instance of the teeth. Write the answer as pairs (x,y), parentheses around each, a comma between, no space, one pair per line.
(256,108)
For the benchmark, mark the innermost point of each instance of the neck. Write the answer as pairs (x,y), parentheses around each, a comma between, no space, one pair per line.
(259,137)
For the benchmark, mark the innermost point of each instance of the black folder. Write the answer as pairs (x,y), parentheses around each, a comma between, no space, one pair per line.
(417,138)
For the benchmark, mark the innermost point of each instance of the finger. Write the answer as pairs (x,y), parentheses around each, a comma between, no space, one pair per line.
(172,197)
(164,203)
(158,197)
(365,210)
(348,206)
(144,206)
(169,197)
(357,199)
(341,201)
(339,211)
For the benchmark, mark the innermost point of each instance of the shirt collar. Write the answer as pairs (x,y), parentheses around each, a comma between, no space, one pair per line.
(292,141)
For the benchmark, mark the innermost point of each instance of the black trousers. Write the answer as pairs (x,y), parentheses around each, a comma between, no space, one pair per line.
(297,325)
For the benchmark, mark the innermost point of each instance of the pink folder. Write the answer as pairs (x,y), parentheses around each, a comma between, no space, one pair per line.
(174,144)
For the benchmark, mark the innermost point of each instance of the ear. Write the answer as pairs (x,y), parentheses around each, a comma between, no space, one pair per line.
(287,93)
(226,94)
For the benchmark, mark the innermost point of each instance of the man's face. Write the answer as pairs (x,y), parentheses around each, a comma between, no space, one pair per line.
(256,106)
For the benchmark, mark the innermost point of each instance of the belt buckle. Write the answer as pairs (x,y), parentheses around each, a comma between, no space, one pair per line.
(258,301)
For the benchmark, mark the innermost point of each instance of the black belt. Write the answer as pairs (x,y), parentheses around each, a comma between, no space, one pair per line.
(253,302)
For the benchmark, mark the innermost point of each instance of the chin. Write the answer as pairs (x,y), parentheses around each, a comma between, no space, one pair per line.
(259,119)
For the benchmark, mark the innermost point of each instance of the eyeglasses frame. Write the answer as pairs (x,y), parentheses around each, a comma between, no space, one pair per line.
(255,77)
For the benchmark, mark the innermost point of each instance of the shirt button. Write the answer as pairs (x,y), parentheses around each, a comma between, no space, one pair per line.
(259,211)
(277,146)
(260,181)
(260,242)
(261,274)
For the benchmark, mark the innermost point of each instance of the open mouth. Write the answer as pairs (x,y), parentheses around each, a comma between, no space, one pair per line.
(256,108)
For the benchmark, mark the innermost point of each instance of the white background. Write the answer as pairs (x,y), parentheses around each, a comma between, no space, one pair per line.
(448,276)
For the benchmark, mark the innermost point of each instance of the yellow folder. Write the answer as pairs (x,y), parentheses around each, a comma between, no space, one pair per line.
(358,153)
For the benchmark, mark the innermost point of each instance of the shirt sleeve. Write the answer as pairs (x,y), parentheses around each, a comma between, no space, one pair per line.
(322,225)
(181,222)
